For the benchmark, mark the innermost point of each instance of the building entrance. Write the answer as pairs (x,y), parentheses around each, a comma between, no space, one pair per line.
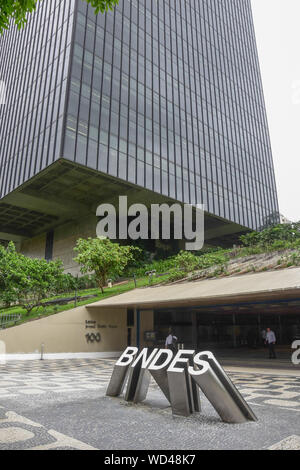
(230,326)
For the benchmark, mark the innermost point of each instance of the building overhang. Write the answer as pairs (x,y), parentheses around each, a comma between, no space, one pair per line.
(250,288)
(66,192)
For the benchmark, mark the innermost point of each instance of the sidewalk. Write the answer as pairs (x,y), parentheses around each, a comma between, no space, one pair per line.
(257,360)
(63,404)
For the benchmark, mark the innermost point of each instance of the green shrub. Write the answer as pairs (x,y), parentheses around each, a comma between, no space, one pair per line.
(160,266)
(177,275)
(87,282)
(288,233)
(212,259)
(186,261)
(27,281)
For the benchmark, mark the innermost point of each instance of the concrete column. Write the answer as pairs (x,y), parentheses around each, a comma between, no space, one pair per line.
(194,330)
(280,329)
(147,324)
(234,330)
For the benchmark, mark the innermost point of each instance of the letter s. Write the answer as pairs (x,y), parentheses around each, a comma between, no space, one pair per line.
(203,366)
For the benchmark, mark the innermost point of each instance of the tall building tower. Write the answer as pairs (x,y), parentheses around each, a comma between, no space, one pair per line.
(161,100)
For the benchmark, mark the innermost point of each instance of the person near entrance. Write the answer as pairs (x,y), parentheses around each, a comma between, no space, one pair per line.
(264,337)
(271,342)
(171,341)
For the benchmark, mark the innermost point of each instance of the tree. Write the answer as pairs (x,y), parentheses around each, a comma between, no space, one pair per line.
(26,281)
(7,292)
(103,257)
(18,10)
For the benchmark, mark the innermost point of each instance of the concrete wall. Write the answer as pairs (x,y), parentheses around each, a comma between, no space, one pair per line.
(66,333)
(65,238)
(147,324)
(35,247)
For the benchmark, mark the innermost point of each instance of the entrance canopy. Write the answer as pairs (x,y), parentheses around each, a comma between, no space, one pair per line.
(267,286)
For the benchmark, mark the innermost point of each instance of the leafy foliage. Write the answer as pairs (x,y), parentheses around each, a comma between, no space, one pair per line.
(103,257)
(160,266)
(213,259)
(100,6)
(186,261)
(17,10)
(27,281)
(86,282)
(176,275)
(279,234)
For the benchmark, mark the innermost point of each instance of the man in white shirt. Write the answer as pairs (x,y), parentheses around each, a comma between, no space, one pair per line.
(271,341)
(170,341)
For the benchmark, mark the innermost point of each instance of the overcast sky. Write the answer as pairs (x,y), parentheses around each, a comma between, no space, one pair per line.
(278,39)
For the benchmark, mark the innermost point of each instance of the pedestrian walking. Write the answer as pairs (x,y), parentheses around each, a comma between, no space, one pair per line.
(171,341)
(264,337)
(271,342)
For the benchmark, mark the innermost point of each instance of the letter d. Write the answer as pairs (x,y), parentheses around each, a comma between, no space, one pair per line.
(155,365)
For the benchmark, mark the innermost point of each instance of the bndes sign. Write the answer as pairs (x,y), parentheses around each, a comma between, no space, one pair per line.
(296,354)
(180,378)
(159,359)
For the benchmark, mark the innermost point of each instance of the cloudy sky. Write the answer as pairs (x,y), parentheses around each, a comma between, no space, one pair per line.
(278,38)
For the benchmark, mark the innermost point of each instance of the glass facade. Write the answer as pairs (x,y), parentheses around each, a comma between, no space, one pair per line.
(168,95)
(164,94)
(228,326)
(34,64)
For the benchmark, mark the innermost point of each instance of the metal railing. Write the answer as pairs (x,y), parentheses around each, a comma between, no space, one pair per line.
(8,320)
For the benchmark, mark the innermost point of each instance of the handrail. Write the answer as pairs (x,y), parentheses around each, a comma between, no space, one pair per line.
(8,319)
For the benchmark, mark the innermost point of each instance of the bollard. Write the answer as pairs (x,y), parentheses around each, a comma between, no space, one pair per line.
(42,351)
